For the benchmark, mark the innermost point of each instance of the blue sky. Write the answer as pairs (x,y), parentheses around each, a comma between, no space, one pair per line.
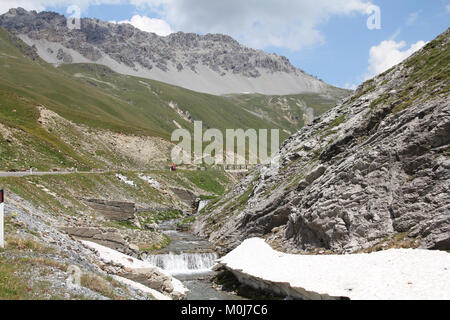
(343,58)
(326,38)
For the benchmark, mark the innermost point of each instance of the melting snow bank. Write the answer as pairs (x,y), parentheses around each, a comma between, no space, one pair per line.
(156,294)
(125,179)
(396,274)
(155,184)
(142,270)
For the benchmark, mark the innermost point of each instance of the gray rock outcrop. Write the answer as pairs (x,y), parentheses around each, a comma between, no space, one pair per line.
(212,63)
(373,170)
(108,237)
(185,195)
(152,278)
(113,210)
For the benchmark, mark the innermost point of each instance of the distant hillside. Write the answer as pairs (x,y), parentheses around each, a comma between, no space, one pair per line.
(88,116)
(290,112)
(213,63)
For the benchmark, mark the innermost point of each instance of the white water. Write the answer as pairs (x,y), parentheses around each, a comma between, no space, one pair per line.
(185,263)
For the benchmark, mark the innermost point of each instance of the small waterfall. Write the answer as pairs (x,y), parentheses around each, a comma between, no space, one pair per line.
(202,204)
(185,263)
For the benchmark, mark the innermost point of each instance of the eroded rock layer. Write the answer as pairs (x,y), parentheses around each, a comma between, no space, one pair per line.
(373,171)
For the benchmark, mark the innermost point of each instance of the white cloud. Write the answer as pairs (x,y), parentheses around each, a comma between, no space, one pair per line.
(144,23)
(40,5)
(158,26)
(448,8)
(5,5)
(412,18)
(259,24)
(389,53)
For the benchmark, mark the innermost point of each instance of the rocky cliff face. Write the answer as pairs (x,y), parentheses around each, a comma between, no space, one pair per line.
(373,172)
(212,63)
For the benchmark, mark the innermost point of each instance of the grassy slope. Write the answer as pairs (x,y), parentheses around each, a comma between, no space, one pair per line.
(277,108)
(121,103)
(25,84)
(99,98)
(60,193)
(29,267)
(152,99)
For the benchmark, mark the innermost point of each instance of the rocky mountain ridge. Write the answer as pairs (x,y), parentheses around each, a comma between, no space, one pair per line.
(372,173)
(211,63)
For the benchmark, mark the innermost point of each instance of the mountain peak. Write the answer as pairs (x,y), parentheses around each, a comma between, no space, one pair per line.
(211,63)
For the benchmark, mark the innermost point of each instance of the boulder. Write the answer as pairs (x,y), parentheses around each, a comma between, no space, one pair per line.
(133,247)
(152,227)
(108,237)
(152,278)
